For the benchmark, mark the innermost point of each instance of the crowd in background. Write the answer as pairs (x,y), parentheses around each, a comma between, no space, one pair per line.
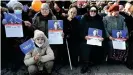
(77,17)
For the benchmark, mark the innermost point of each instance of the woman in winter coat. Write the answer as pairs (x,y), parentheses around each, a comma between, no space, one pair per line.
(71,30)
(41,57)
(14,42)
(115,21)
(40,20)
(89,20)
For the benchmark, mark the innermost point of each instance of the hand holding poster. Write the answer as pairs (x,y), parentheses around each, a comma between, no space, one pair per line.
(95,37)
(27,46)
(55,31)
(120,36)
(13,25)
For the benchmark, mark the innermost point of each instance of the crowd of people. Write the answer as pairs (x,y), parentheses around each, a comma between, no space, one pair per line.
(77,17)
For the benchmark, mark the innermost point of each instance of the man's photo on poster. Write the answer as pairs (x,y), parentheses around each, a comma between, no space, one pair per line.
(55,25)
(95,32)
(120,34)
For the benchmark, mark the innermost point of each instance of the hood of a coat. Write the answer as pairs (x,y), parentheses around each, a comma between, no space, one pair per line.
(38,33)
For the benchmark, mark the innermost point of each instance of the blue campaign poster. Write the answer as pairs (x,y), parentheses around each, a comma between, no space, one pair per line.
(119,33)
(27,46)
(13,18)
(95,32)
(55,24)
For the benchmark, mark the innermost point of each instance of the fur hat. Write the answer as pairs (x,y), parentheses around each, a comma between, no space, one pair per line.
(114,7)
(17,4)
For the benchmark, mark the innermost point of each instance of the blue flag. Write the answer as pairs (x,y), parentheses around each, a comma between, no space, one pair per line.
(27,46)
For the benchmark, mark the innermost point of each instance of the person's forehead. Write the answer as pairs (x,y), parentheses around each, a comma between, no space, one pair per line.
(44,9)
(73,10)
(40,37)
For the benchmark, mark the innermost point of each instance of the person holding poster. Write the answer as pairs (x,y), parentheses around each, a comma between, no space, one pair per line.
(41,57)
(16,56)
(90,20)
(117,22)
(71,30)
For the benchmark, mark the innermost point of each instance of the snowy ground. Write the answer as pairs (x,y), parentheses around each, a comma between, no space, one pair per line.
(104,69)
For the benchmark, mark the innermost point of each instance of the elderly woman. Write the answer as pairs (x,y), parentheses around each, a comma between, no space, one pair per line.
(115,21)
(90,20)
(16,56)
(41,57)
(40,20)
(71,30)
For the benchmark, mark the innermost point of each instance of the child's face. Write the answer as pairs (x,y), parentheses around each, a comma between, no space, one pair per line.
(39,40)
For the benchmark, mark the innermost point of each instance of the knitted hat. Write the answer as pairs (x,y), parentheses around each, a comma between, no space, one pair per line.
(114,7)
(37,34)
(17,5)
(45,6)
(11,3)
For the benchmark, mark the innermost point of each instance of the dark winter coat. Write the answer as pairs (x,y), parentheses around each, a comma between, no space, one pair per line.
(111,22)
(40,22)
(129,23)
(71,31)
(90,22)
(88,50)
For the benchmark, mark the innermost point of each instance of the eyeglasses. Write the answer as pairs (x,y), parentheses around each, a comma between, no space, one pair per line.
(92,10)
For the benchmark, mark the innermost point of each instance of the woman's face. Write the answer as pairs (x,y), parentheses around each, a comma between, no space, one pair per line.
(115,13)
(39,40)
(92,13)
(72,12)
(44,11)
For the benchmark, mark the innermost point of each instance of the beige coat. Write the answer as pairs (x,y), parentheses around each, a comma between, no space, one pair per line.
(45,51)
